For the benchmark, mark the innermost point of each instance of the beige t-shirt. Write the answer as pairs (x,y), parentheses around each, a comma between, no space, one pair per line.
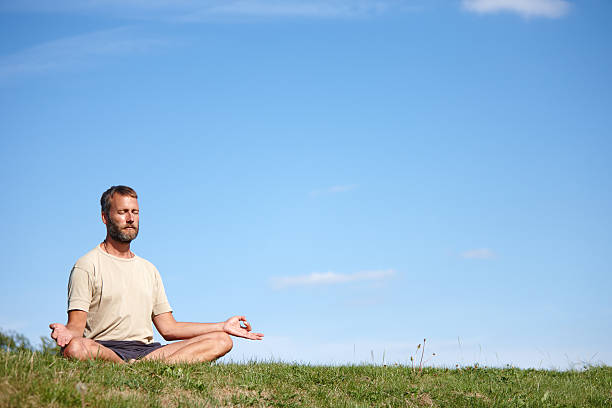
(120,296)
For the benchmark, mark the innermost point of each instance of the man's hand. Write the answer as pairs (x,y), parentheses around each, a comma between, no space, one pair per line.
(232,326)
(60,334)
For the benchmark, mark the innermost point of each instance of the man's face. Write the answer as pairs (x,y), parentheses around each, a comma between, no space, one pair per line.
(122,220)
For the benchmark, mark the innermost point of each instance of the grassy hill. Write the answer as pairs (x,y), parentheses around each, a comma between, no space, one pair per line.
(35,379)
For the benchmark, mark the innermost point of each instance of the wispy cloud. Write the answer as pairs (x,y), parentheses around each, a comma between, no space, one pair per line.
(330,278)
(481,253)
(197,10)
(526,8)
(75,52)
(312,8)
(334,189)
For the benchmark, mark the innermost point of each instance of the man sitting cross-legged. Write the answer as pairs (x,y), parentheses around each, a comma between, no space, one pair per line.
(114,295)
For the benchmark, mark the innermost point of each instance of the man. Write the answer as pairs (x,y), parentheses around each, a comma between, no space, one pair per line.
(113,295)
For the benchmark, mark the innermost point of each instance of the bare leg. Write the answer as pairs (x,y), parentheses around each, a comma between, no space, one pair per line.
(87,349)
(207,347)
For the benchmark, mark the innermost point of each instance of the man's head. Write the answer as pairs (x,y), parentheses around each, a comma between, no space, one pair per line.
(120,213)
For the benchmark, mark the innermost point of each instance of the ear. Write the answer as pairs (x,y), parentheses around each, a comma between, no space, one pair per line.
(104,219)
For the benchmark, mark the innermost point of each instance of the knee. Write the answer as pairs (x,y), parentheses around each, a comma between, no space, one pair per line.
(224,343)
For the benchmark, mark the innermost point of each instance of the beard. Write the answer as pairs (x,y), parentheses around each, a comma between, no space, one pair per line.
(121,234)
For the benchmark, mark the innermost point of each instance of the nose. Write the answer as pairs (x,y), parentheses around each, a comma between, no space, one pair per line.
(129,217)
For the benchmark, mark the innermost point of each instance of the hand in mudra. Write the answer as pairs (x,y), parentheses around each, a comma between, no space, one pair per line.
(234,327)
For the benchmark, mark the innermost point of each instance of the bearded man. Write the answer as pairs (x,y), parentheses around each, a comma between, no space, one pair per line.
(114,296)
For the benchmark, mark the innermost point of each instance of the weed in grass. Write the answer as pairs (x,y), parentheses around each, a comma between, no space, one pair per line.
(422,354)
(420,347)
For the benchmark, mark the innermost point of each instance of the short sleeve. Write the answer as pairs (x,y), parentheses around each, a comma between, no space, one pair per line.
(160,301)
(80,290)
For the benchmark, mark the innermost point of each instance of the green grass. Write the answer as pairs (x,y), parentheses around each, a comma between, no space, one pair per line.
(30,379)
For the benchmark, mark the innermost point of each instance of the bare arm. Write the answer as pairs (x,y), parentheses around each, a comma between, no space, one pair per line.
(170,329)
(74,328)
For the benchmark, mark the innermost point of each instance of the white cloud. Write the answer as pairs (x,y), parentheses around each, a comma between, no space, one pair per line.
(481,253)
(330,278)
(75,52)
(526,8)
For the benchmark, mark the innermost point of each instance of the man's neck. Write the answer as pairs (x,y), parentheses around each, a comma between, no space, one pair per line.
(116,248)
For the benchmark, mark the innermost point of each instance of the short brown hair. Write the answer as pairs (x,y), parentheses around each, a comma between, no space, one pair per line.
(105,200)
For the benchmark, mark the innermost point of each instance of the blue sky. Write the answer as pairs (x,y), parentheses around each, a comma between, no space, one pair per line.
(353,176)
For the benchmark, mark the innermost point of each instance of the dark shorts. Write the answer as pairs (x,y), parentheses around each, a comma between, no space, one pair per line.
(128,350)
